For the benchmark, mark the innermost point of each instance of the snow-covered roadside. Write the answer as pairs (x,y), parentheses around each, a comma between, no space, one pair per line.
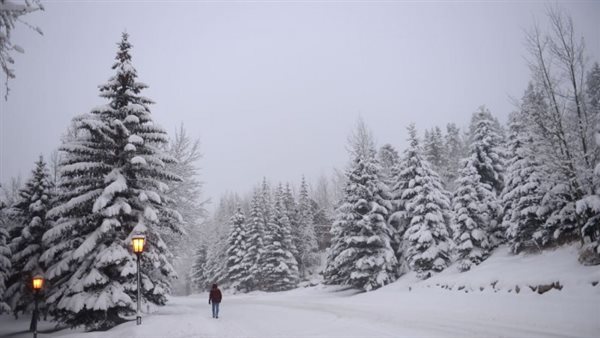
(407,308)
(503,271)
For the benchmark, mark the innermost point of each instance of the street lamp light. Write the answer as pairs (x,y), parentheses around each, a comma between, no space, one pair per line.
(138,242)
(37,283)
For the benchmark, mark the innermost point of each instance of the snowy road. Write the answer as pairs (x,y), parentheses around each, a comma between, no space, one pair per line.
(319,313)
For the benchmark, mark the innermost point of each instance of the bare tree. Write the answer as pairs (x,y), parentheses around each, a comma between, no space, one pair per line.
(568,53)
(558,65)
(10,191)
(186,197)
(361,142)
(11,13)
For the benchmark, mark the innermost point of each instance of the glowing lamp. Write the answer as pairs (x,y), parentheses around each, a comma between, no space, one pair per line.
(138,242)
(38,282)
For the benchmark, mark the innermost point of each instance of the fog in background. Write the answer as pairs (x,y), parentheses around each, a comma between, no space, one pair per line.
(274,88)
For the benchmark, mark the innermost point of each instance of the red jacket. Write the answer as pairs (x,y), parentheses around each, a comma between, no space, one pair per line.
(215,296)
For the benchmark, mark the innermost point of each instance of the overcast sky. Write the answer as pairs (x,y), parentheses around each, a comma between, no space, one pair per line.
(273,88)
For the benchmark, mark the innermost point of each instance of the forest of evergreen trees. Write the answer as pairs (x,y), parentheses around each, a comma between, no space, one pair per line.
(451,197)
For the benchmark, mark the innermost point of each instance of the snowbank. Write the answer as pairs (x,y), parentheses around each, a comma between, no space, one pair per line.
(506,272)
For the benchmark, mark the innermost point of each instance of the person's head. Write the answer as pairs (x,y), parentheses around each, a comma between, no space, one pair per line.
(214,286)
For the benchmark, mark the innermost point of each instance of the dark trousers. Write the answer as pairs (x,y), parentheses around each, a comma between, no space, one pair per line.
(215,309)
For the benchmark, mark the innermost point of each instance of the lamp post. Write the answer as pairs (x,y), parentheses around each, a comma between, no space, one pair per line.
(138,243)
(38,283)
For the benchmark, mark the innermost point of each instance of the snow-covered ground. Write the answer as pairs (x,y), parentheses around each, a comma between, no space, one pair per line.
(407,308)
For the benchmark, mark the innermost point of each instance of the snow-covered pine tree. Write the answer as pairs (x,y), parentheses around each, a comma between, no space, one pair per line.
(389,163)
(361,254)
(426,205)
(255,235)
(237,246)
(5,255)
(308,246)
(388,159)
(265,202)
(291,209)
(434,150)
(470,219)
(9,196)
(114,179)
(589,206)
(486,143)
(30,211)
(398,219)
(215,267)
(279,267)
(197,273)
(217,234)
(557,206)
(456,150)
(523,189)
(485,147)
(323,211)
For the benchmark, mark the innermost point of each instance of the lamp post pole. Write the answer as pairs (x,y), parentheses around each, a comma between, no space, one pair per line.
(139,292)
(35,312)
(138,243)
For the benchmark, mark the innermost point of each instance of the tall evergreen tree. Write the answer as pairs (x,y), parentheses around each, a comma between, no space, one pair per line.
(5,255)
(35,199)
(522,193)
(361,254)
(237,246)
(293,214)
(426,205)
(197,273)
(589,206)
(255,233)
(470,217)
(456,150)
(215,268)
(486,148)
(114,178)
(399,219)
(279,266)
(434,150)
(557,204)
(322,200)
(308,246)
(388,159)
(486,145)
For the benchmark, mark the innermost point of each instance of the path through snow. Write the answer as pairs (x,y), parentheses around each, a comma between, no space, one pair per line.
(320,312)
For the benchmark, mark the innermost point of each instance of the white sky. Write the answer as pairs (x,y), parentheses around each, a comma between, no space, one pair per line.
(273,88)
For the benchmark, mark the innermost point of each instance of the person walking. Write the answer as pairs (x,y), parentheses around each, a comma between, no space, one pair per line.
(215,299)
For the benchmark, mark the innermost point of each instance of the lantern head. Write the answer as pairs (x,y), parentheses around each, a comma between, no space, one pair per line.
(38,282)
(138,243)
